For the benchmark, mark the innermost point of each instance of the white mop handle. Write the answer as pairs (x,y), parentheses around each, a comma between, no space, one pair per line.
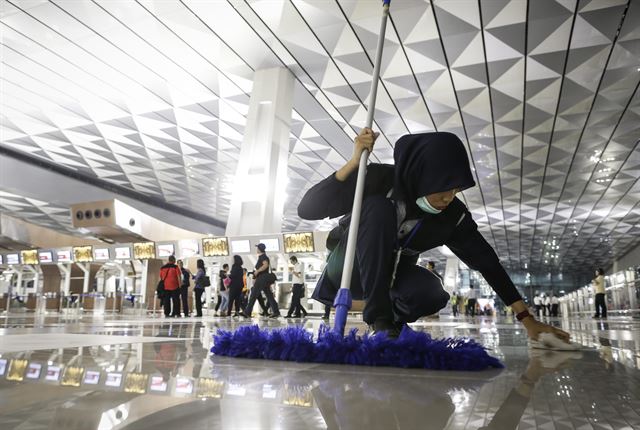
(362,167)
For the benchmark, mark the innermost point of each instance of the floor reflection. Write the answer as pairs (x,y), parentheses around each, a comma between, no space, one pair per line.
(170,379)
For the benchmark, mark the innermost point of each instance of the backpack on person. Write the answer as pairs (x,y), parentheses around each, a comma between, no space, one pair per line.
(160,291)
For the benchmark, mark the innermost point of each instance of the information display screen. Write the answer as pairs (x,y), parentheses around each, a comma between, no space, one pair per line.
(240,246)
(33,371)
(215,247)
(45,257)
(53,373)
(64,256)
(298,242)
(272,244)
(113,380)
(83,254)
(123,253)
(188,248)
(165,250)
(158,384)
(13,259)
(92,377)
(184,385)
(101,254)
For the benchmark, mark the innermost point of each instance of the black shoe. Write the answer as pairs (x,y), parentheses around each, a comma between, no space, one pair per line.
(243,314)
(325,317)
(275,316)
(383,325)
(297,316)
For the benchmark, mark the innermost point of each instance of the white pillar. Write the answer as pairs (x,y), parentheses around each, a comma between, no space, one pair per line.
(261,177)
(451,274)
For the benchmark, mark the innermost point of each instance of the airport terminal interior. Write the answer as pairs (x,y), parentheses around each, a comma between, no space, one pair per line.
(134,133)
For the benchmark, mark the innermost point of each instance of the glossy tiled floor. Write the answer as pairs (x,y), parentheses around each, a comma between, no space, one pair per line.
(127,373)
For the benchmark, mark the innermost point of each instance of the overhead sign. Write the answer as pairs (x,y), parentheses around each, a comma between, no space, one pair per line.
(215,247)
(83,254)
(144,250)
(30,256)
(298,242)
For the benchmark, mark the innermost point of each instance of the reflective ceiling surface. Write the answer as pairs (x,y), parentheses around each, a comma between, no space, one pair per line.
(153,95)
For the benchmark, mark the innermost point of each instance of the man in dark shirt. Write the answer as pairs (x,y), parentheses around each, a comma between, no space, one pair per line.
(184,288)
(262,283)
(408,208)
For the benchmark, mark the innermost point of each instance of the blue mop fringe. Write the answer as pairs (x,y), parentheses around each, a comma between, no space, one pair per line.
(412,349)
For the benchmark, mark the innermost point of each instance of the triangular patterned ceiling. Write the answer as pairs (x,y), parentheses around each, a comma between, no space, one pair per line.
(153,96)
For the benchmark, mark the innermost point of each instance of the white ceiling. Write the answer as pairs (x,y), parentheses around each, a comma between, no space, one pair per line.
(152,96)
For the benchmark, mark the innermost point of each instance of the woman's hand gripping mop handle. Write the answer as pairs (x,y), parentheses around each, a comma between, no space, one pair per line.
(342,302)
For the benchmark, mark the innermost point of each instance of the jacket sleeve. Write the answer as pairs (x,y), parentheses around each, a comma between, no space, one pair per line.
(332,198)
(468,244)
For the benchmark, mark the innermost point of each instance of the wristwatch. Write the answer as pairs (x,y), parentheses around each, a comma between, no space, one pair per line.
(522,315)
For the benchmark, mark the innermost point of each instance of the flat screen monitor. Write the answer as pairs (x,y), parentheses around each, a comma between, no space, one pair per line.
(188,248)
(123,253)
(165,250)
(45,257)
(298,242)
(13,259)
(64,256)
(83,254)
(34,370)
(53,373)
(184,385)
(30,257)
(91,377)
(101,254)
(144,250)
(272,244)
(240,246)
(113,379)
(215,247)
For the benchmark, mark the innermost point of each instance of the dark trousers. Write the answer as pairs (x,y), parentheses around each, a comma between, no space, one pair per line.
(184,296)
(297,292)
(601,306)
(538,309)
(375,254)
(472,307)
(261,303)
(235,297)
(171,298)
(199,292)
(454,309)
(218,303)
(262,285)
(554,310)
(327,311)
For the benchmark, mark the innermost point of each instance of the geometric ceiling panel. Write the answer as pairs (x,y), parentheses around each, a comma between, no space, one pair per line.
(153,96)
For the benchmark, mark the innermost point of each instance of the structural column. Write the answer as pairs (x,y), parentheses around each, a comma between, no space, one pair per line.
(260,182)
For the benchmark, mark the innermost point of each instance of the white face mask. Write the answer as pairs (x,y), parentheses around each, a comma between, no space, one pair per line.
(424,204)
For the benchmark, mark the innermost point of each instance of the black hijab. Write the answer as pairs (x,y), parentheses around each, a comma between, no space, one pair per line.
(429,163)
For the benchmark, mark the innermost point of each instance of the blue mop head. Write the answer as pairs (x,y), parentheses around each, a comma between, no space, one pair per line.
(411,350)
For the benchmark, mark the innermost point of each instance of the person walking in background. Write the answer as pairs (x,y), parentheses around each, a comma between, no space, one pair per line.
(555,303)
(236,286)
(455,301)
(599,289)
(199,279)
(171,275)
(296,309)
(537,303)
(472,296)
(222,275)
(547,305)
(262,283)
(184,288)
(431,267)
